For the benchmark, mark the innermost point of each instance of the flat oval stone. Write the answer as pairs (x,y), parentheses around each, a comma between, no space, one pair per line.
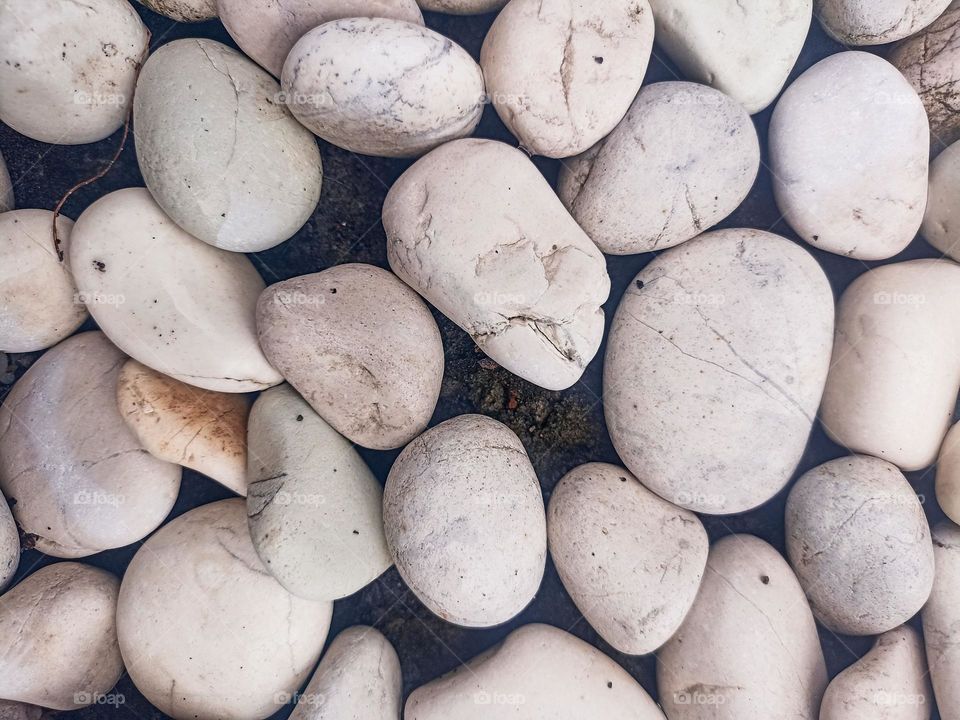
(40,302)
(176,304)
(875,22)
(80,478)
(360,346)
(314,507)
(9,545)
(631,561)
(941,221)
(849,143)
(199,429)
(205,630)
(690,152)
(941,620)
(715,365)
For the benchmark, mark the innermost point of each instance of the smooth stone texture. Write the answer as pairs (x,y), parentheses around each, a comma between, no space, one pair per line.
(359,678)
(748,649)
(849,145)
(67,69)
(476,230)
(267,30)
(948,475)
(360,346)
(562,74)
(6,188)
(176,304)
(888,683)
(930,60)
(199,429)
(37,293)
(941,222)
(715,365)
(744,48)
(218,150)
(684,157)
(537,672)
(894,377)
(184,10)
(631,561)
(314,508)
(205,630)
(860,545)
(874,22)
(9,544)
(380,86)
(464,521)
(941,620)
(80,478)
(60,637)
(462,7)
(11,710)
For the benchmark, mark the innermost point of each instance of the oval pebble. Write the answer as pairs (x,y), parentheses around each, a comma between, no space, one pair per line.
(948,475)
(81,480)
(360,346)
(941,221)
(176,304)
(941,620)
(430,92)
(183,10)
(875,22)
(9,545)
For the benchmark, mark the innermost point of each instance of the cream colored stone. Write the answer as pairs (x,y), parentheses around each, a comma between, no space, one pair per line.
(874,22)
(941,621)
(184,10)
(941,222)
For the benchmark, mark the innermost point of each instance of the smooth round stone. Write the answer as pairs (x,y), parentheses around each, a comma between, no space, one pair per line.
(476,230)
(561,75)
(219,151)
(689,152)
(948,475)
(9,545)
(205,630)
(184,10)
(199,429)
(464,521)
(941,222)
(875,22)
(715,365)
(941,620)
(462,7)
(60,637)
(744,48)
(860,545)
(314,507)
(894,377)
(888,683)
(81,480)
(748,649)
(267,30)
(359,678)
(40,302)
(849,146)
(176,304)
(360,346)
(631,561)
(68,69)
(6,188)
(380,86)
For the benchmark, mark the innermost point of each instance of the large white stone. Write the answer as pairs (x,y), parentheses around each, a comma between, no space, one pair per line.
(874,22)
(941,621)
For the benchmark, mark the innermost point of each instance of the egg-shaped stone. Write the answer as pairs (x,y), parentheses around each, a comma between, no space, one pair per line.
(948,474)
(941,620)
(9,544)
(941,221)
(875,22)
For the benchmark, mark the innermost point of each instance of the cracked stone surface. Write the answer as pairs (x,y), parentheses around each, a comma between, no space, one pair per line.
(464,520)
(218,149)
(314,508)
(60,637)
(380,86)
(79,478)
(67,69)
(948,474)
(874,22)
(205,630)
(894,378)
(849,147)
(715,365)
(538,671)
(763,658)
(189,11)
(37,293)
(889,683)
(941,620)
(631,561)
(186,425)
(360,346)
(860,545)
(941,220)
(745,48)
(562,74)
(359,678)
(475,229)
(267,30)
(689,152)
(176,304)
